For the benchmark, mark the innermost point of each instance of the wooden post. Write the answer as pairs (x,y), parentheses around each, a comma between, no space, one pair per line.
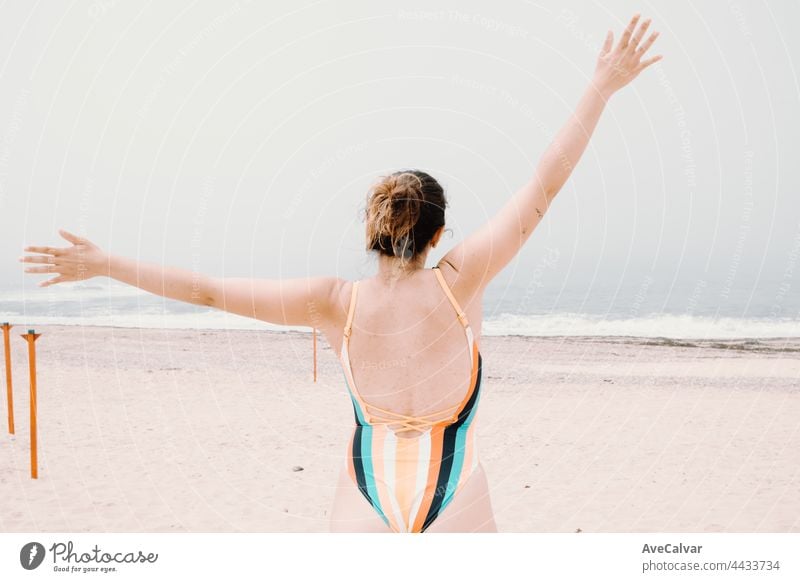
(31,337)
(9,392)
(315,353)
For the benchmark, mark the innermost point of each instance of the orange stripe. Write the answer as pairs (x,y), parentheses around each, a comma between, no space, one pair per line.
(437,442)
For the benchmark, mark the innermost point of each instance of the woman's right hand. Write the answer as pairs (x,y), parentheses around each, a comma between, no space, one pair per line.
(619,65)
(83,260)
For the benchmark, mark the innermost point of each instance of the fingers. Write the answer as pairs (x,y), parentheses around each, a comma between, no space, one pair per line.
(608,43)
(37,259)
(63,265)
(647,44)
(46,269)
(637,38)
(647,62)
(626,36)
(47,250)
(53,281)
(74,239)
(57,260)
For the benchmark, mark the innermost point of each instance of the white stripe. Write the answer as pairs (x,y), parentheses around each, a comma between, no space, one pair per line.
(423,465)
(346,364)
(468,329)
(389,456)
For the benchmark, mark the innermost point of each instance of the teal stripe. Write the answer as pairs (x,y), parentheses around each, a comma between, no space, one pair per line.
(458,464)
(369,473)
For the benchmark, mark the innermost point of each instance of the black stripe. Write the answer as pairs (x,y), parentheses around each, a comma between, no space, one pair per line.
(358,463)
(448,447)
(462,416)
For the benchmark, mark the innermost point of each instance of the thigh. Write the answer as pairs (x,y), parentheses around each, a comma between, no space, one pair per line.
(351,511)
(470,510)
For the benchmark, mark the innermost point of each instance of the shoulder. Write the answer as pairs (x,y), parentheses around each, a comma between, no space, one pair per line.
(323,296)
(465,285)
(339,293)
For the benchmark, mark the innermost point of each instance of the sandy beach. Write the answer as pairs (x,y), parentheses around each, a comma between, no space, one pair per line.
(183,430)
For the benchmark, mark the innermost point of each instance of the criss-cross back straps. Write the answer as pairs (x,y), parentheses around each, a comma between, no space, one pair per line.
(348,326)
(413,422)
(462,317)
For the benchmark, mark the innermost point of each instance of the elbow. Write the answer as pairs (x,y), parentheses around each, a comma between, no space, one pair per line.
(204,292)
(550,191)
(547,188)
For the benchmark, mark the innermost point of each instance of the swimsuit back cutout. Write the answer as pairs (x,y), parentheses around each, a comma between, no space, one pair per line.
(409,481)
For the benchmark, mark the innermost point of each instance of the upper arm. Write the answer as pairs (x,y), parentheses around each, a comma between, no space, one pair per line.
(302,301)
(483,254)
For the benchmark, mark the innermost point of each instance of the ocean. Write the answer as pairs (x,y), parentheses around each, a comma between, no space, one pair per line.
(647,308)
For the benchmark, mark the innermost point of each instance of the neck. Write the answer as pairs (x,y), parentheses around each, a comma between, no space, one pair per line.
(392,269)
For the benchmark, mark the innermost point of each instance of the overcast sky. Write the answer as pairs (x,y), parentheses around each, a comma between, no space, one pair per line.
(240,139)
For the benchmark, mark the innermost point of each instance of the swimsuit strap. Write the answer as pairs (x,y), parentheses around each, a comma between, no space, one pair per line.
(462,317)
(349,325)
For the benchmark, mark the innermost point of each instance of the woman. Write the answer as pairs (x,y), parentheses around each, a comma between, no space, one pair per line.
(412,463)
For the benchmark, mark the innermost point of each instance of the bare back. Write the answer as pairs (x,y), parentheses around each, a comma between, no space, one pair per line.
(407,349)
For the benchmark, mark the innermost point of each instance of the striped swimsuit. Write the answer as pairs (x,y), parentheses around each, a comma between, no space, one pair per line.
(409,481)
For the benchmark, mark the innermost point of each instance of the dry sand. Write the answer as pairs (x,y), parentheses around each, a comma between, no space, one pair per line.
(182,430)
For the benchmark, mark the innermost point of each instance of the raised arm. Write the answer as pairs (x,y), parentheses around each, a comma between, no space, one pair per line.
(309,302)
(486,252)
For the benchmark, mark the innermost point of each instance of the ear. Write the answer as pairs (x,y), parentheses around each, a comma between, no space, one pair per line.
(436,236)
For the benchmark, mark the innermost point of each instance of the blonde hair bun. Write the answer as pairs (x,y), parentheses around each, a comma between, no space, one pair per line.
(403,211)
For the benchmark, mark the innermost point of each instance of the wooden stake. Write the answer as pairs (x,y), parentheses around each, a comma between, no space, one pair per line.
(9,392)
(31,337)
